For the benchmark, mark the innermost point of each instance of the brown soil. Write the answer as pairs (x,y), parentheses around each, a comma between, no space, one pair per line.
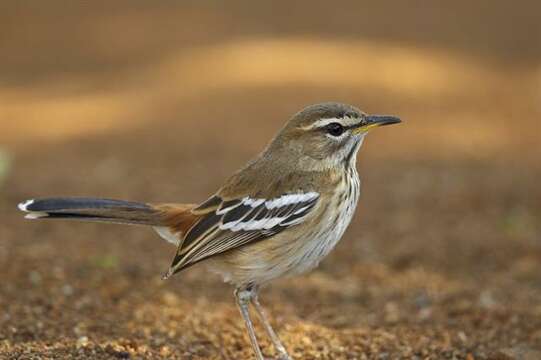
(161,102)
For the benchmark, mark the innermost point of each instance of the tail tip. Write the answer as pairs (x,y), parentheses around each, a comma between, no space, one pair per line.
(36,215)
(32,215)
(25,204)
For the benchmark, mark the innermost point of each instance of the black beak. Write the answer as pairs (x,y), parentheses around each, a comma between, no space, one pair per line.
(382,120)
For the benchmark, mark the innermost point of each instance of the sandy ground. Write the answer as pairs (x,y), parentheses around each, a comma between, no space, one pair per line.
(161,103)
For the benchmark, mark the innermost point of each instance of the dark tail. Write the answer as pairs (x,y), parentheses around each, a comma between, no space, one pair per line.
(90,209)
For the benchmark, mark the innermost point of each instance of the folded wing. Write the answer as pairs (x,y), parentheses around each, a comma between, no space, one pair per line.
(224,225)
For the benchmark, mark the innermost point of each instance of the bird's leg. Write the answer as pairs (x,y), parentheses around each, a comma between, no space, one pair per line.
(244,296)
(268,328)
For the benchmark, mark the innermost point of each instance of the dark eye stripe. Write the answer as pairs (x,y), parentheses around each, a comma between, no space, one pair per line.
(349,127)
(335,129)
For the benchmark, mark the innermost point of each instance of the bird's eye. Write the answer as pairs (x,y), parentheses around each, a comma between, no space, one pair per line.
(335,129)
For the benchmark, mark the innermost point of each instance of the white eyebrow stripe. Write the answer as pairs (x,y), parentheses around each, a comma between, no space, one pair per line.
(346,122)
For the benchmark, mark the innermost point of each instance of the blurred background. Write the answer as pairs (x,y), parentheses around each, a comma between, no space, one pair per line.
(160,101)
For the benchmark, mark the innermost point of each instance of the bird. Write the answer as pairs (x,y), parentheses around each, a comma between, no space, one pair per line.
(277,216)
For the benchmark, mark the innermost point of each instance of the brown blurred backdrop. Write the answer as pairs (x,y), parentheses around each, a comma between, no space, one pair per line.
(160,101)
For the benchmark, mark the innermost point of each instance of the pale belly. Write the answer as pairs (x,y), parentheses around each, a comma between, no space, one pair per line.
(291,253)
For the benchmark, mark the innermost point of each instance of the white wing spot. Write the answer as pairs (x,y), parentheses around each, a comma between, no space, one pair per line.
(252,202)
(290,199)
(270,222)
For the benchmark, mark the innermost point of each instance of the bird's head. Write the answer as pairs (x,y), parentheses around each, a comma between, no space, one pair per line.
(330,133)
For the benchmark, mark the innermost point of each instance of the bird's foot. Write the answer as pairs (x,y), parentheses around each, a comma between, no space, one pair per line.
(284,356)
